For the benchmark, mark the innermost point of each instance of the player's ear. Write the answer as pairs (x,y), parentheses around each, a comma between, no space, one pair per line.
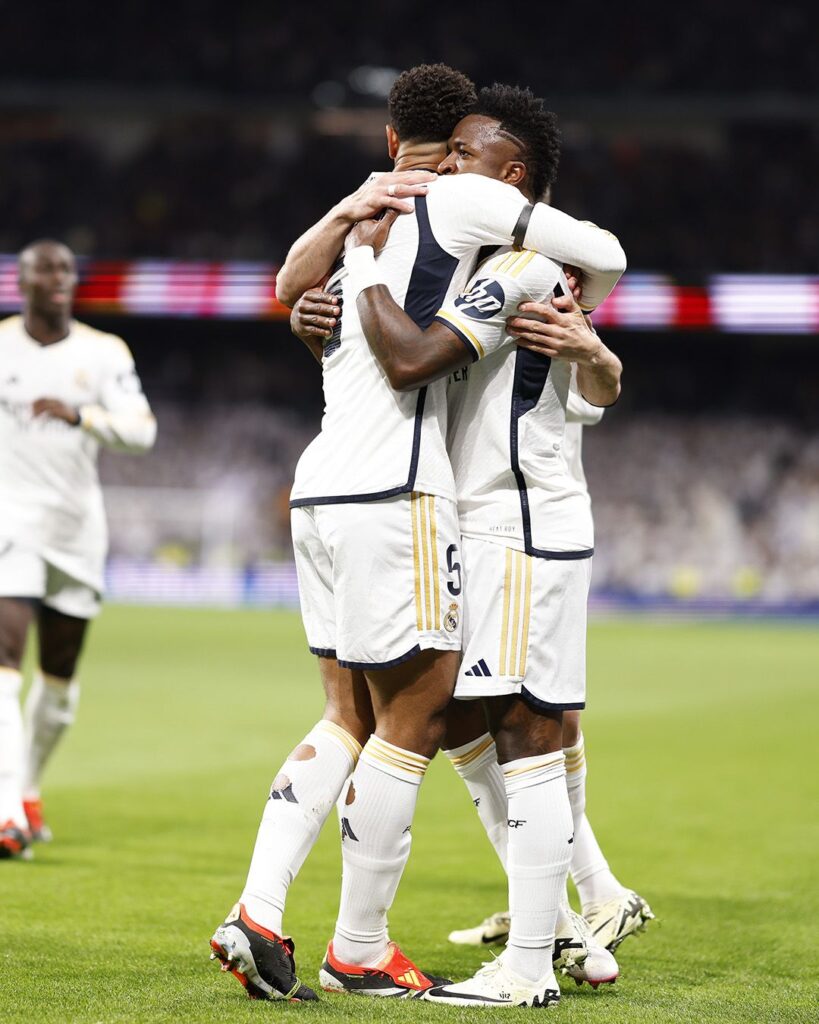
(514,172)
(392,142)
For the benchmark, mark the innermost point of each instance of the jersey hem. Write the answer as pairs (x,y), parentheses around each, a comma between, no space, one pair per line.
(323,652)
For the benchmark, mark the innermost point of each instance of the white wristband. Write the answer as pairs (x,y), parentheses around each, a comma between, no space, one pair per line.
(361,268)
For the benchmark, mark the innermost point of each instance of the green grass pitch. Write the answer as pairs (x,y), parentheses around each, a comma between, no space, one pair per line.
(702,746)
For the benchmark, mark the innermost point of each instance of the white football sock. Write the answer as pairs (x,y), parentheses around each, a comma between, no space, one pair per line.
(302,796)
(576,780)
(540,830)
(11,749)
(376,840)
(51,706)
(591,874)
(477,764)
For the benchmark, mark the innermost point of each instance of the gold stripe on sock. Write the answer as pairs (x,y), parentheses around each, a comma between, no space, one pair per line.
(389,750)
(546,762)
(462,760)
(349,742)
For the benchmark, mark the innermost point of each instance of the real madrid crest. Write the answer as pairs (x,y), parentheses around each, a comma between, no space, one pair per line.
(451,618)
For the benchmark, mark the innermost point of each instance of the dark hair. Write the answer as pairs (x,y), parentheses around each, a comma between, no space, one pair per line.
(523,115)
(426,102)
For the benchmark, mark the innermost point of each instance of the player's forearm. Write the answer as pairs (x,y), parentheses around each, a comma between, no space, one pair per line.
(132,432)
(311,257)
(396,341)
(580,244)
(598,380)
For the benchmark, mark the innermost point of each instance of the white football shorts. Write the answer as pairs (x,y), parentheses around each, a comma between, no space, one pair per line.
(524,626)
(379,581)
(25,573)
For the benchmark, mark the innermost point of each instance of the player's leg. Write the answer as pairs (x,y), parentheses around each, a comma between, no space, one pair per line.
(250,943)
(16,615)
(51,704)
(612,910)
(401,626)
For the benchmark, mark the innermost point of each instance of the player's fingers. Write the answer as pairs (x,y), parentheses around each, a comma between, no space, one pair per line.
(318,309)
(399,205)
(315,295)
(544,309)
(516,324)
(390,217)
(325,322)
(537,347)
(317,332)
(564,303)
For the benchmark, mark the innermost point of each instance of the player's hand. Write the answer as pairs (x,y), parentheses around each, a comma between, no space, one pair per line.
(371,232)
(58,410)
(386,192)
(574,278)
(315,315)
(561,332)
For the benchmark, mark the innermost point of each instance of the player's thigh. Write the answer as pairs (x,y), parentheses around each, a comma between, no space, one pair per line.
(410,700)
(16,615)
(571,728)
(396,579)
(348,702)
(60,639)
(314,570)
(22,584)
(522,730)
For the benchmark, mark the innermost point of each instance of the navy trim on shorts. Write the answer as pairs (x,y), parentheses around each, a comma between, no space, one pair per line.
(546,705)
(366,666)
(323,652)
(432,271)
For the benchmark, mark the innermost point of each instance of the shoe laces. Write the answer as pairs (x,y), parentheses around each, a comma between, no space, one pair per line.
(489,968)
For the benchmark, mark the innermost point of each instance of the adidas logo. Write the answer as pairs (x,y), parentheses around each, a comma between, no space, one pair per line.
(346,831)
(481,669)
(284,794)
(410,978)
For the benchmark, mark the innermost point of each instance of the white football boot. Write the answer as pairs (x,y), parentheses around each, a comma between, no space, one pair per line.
(616,919)
(577,953)
(496,985)
(492,931)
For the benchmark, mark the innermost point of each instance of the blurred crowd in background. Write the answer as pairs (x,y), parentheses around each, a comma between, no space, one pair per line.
(220,132)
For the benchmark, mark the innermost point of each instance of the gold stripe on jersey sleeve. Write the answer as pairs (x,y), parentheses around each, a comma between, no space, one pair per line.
(425,559)
(527,599)
(507,593)
(415,509)
(523,263)
(461,326)
(435,578)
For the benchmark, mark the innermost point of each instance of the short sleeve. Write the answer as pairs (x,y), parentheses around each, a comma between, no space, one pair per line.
(478,315)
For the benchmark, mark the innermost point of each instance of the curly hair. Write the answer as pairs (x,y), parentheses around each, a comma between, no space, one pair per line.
(426,102)
(522,115)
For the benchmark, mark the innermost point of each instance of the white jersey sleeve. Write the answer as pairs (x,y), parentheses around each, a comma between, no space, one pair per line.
(479,314)
(121,418)
(578,410)
(474,211)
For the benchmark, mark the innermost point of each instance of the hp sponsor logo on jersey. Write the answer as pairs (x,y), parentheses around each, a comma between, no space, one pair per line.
(484,300)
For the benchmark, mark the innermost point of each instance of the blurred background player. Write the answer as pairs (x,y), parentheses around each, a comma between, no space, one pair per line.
(65,389)
(611,910)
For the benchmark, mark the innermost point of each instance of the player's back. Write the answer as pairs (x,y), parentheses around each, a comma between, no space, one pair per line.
(374,441)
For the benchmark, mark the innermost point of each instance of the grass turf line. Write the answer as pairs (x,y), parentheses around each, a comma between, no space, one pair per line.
(700,741)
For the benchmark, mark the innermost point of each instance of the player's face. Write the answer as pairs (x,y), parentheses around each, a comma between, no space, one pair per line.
(48,278)
(477,147)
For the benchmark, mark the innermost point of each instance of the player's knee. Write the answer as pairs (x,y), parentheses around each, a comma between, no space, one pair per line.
(571,728)
(60,663)
(11,650)
(357,722)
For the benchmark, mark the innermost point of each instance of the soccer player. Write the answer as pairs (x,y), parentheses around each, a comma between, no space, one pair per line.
(65,389)
(526,532)
(613,912)
(376,539)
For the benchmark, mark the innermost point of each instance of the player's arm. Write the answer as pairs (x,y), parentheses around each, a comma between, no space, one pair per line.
(311,257)
(121,419)
(482,211)
(563,332)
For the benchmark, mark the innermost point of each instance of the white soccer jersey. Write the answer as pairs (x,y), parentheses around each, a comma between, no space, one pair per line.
(376,442)
(50,497)
(579,413)
(507,418)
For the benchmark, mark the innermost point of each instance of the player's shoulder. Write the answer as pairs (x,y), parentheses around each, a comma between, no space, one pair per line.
(11,326)
(468,186)
(524,265)
(103,343)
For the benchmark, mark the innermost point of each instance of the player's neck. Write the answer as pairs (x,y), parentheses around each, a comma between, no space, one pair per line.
(45,329)
(419,156)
